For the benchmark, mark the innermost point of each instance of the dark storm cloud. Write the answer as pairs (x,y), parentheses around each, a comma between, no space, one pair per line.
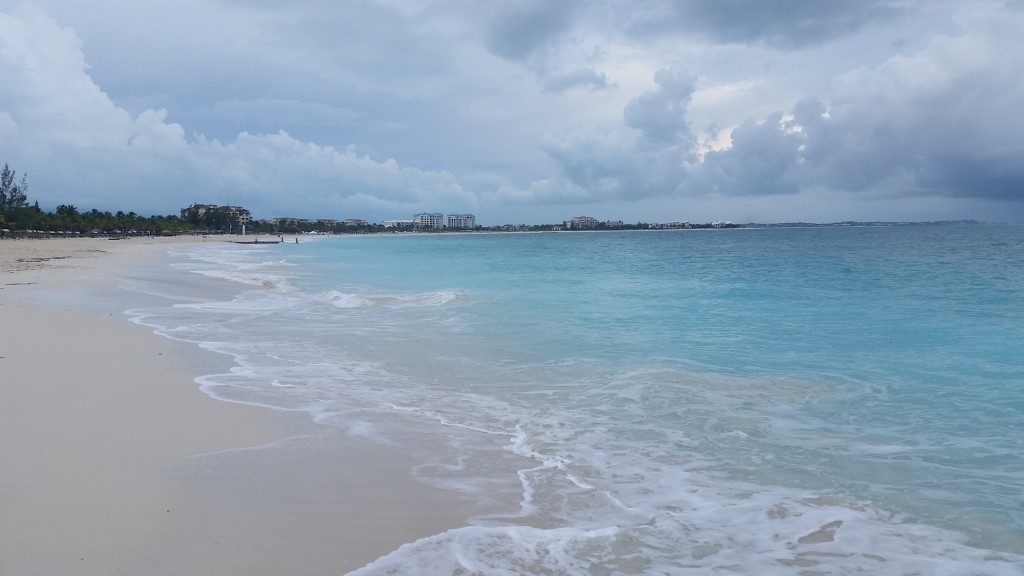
(782,23)
(762,160)
(660,115)
(991,178)
(941,122)
(644,164)
(526,27)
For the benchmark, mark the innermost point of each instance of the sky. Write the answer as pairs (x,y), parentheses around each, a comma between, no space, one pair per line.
(520,111)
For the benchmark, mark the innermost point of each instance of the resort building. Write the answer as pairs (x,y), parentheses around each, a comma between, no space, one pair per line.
(290,222)
(582,223)
(397,223)
(461,221)
(428,221)
(674,225)
(199,211)
(243,215)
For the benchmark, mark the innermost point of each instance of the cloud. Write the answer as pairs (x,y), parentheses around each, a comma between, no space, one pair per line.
(77,142)
(552,42)
(787,24)
(526,27)
(268,115)
(262,166)
(385,108)
(938,122)
(580,78)
(646,158)
(764,159)
(660,115)
(44,91)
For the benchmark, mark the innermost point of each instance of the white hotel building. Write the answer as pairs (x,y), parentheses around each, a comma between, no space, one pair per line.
(436,221)
(462,221)
(428,221)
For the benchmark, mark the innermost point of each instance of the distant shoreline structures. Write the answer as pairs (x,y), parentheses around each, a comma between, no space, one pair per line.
(19,219)
(215,218)
(211,218)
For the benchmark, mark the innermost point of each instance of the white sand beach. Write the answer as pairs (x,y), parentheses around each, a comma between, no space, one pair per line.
(113,461)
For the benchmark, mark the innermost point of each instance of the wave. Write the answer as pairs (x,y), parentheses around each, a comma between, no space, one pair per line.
(621,466)
(424,300)
(762,532)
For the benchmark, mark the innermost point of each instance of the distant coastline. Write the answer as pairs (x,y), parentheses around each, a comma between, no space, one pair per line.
(857,224)
(276,237)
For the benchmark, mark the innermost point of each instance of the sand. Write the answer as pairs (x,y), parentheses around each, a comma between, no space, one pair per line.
(113,461)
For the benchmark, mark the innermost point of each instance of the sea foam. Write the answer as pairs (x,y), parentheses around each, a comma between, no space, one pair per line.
(656,403)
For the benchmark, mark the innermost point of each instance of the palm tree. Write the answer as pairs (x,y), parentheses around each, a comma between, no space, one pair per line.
(69,217)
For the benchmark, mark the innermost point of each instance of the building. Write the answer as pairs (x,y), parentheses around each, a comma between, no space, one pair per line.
(461,221)
(674,225)
(290,222)
(198,212)
(428,221)
(199,209)
(243,215)
(582,223)
(397,223)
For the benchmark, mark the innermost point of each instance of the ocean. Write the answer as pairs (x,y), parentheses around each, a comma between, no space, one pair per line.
(831,400)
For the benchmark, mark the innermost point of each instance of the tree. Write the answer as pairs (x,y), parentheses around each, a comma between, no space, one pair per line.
(6,186)
(69,217)
(13,195)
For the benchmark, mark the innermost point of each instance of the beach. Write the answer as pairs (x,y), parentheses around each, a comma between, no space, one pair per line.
(112,460)
(637,403)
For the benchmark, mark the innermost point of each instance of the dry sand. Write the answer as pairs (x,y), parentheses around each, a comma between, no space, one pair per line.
(112,460)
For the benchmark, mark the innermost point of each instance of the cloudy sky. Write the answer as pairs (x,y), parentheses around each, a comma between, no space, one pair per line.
(520,111)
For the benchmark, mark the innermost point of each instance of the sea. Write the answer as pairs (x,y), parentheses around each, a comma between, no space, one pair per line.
(784,400)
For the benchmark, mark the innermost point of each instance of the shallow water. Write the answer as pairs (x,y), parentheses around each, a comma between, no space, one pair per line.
(831,400)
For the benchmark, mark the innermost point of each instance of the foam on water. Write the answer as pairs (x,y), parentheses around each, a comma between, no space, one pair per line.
(657,403)
(397,301)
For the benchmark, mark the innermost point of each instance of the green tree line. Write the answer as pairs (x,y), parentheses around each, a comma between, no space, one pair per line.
(17,214)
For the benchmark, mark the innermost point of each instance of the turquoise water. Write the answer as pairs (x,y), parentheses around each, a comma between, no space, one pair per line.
(780,401)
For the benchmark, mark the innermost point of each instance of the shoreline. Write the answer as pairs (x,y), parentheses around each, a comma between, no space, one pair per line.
(113,459)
